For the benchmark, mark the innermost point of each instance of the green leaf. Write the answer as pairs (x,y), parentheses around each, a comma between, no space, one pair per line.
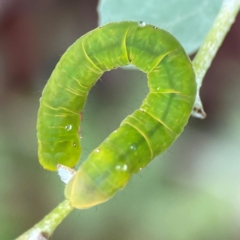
(188,20)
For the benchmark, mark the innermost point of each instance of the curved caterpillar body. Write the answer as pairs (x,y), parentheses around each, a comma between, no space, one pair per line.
(141,136)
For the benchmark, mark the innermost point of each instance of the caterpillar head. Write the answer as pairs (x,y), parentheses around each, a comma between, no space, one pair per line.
(65,152)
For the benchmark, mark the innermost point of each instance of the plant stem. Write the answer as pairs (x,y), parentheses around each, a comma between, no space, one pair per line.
(44,229)
(211,44)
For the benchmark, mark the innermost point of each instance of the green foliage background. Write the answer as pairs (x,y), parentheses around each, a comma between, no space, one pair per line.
(191,192)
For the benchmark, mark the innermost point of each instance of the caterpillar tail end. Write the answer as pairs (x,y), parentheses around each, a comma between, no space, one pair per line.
(85,193)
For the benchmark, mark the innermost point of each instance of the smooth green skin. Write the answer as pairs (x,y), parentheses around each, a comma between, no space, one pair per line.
(141,136)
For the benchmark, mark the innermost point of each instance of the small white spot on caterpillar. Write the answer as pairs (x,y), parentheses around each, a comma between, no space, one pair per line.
(141,24)
(133,147)
(68,127)
(74,144)
(98,150)
(123,167)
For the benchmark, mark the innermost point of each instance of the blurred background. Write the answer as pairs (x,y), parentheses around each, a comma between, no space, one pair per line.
(190,192)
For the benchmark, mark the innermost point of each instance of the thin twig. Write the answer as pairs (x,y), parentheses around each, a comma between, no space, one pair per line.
(210,46)
(44,229)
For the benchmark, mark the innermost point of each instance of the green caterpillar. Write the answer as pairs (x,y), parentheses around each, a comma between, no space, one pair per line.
(141,136)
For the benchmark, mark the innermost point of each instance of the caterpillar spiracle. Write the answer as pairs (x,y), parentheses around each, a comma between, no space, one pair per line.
(142,135)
